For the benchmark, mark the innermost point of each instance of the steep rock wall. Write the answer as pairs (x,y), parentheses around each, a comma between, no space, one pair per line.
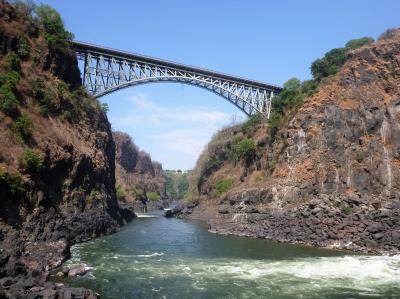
(336,172)
(136,170)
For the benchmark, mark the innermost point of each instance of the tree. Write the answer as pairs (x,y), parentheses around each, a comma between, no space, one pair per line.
(329,64)
(358,42)
(55,34)
(246,150)
(183,185)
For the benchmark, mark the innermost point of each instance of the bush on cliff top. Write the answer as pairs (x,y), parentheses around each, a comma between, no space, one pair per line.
(294,91)
(332,61)
(55,34)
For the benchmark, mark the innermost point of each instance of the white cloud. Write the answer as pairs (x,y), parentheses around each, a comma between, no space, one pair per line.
(156,114)
(189,142)
(180,133)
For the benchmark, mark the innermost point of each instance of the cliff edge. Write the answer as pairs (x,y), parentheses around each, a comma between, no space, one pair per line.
(57,155)
(330,176)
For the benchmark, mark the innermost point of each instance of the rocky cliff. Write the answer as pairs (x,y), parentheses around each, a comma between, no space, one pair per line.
(57,155)
(139,179)
(330,176)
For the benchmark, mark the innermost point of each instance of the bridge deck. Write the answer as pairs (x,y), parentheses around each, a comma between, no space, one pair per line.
(146,59)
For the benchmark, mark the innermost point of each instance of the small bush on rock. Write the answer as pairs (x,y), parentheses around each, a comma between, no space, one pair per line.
(153,196)
(24,50)
(246,150)
(32,161)
(10,184)
(251,122)
(14,62)
(23,127)
(120,194)
(40,94)
(222,186)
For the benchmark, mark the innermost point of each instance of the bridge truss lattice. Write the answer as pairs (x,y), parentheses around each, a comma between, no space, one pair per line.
(106,70)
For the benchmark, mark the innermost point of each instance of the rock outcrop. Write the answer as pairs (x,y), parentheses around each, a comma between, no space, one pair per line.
(331,177)
(57,158)
(141,180)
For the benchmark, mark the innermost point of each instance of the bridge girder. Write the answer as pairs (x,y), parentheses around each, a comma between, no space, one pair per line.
(107,70)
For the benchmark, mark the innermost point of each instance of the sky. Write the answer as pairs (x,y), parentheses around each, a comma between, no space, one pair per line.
(269,41)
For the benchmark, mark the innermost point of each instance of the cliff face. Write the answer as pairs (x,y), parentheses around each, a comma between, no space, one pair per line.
(57,155)
(331,177)
(139,179)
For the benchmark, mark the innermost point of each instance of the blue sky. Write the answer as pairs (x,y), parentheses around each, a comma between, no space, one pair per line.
(268,41)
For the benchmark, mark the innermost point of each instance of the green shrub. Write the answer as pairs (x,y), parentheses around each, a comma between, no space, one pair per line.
(329,64)
(93,196)
(66,116)
(288,100)
(222,186)
(104,107)
(8,100)
(10,183)
(335,58)
(55,34)
(120,194)
(40,94)
(251,122)
(10,78)
(246,150)
(32,161)
(138,194)
(346,210)
(192,196)
(308,87)
(153,196)
(183,186)
(24,50)
(274,119)
(358,42)
(14,62)
(23,126)
(272,165)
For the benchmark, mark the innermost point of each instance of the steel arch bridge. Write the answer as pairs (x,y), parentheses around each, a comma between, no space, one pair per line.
(106,70)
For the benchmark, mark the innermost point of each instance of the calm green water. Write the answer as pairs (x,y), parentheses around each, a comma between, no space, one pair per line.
(156,257)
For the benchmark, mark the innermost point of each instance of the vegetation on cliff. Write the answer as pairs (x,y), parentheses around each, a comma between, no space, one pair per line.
(138,178)
(326,166)
(57,179)
(40,93)
(247,147)
(177,183)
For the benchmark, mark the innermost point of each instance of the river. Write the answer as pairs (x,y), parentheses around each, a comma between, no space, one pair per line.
(157,257)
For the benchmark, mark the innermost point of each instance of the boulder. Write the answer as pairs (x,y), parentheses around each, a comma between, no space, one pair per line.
(77,270)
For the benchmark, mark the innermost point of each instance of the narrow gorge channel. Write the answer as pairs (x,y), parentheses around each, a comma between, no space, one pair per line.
(157,257)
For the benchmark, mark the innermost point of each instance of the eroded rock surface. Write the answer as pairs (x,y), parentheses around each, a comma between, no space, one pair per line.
(335,174)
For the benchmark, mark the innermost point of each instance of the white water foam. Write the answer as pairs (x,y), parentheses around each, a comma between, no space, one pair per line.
(140,215)
(150,255)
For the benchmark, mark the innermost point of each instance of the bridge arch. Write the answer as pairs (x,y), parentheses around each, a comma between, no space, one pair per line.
(107,70)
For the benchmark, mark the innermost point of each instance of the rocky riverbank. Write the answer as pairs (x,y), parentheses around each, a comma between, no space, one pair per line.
(57,161)
(328,175)
(322,222)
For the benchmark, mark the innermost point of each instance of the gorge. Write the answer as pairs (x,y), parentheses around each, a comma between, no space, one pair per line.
(306,202)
